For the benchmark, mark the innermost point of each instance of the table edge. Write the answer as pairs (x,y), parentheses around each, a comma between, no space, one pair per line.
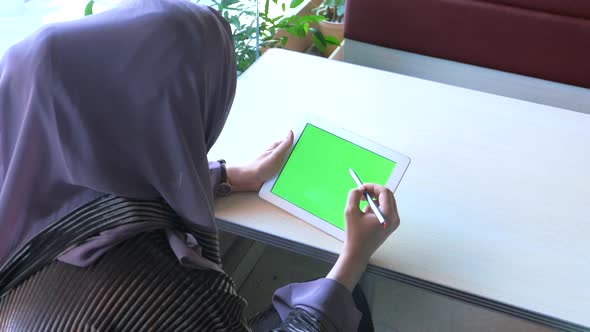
(329,257)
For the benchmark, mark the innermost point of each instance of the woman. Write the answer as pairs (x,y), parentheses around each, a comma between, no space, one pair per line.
(106,194)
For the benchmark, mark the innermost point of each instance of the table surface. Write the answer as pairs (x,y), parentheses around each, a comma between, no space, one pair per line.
(495,206)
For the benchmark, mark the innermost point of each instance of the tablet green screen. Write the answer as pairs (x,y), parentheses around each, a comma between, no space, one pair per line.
(316,177)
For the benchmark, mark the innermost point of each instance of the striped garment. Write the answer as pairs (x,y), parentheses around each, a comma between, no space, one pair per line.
(136,286)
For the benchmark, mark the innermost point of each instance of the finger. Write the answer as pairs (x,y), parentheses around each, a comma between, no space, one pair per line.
(367,209)
(281,149)
(384,196)
(354,200)
(374,189)
(273,145)
(388,203)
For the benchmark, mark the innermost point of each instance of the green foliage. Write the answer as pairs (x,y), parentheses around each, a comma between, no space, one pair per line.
(321,42)
(88,9)
(241,15)
(333,10)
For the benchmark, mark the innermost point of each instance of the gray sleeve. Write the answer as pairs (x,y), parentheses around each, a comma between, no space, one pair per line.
(300,320)
(322,301)
(215,174)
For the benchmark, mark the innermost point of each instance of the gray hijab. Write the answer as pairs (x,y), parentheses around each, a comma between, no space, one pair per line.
(127,102)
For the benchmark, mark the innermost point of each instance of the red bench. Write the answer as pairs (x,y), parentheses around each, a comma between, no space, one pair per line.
(547,39)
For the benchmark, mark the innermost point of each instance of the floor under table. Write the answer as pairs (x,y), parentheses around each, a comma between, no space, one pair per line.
(260,269)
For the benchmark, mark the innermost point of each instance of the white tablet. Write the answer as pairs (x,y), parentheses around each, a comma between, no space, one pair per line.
(314,181)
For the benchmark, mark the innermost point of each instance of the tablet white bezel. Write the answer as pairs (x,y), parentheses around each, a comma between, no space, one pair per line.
(402,165)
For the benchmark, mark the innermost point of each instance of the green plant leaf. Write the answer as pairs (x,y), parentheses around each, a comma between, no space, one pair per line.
(88,9)
(228,3)
(312,18)
(318,43)
(306,28)
(289,20)
(283,7)
(235,21)
(296,31)
(318,39)
(266,4)
(278,18)
(295,3)
(284,40)
(332,40)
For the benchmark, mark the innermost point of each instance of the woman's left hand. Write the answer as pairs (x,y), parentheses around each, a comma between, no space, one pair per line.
(252,176)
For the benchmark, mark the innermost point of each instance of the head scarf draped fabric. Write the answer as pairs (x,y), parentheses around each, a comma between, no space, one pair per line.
(127,102)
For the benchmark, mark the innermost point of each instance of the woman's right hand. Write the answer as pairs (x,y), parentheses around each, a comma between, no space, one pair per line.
(364,233)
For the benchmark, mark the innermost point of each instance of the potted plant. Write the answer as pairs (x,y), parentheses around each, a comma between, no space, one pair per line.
(293,32)
(333,10)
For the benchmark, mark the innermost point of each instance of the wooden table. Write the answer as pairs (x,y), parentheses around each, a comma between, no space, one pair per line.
(495,205)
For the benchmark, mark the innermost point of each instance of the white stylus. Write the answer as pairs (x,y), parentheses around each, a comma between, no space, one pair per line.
(369,198)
